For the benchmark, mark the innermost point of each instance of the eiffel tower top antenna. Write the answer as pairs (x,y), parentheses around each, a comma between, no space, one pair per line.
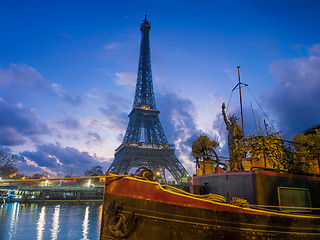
(144,95)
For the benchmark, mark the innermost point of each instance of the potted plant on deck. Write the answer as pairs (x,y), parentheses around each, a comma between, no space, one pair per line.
(203,151)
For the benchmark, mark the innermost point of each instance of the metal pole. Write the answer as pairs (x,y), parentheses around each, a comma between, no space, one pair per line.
(244,153)
(240,99)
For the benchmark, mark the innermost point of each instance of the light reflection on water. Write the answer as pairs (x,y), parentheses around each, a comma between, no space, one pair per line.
(85,224)
(50,221)
(14,220)
(55,223)
(41,223)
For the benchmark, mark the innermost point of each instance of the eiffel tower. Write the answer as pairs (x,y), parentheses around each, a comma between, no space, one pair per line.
(144,143)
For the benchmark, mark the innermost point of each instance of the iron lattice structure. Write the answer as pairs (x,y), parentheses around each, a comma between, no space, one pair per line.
(144,143)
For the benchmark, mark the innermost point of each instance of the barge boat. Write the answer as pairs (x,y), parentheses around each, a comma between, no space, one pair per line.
(136,208)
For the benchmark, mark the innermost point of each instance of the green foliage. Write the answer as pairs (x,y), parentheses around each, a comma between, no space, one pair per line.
(203,148)
(94,171)
(307,147)
(7,165)
(268,146)
(271,147)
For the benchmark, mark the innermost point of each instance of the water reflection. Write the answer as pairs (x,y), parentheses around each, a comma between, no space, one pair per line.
(41,223)
(55,223)
(50,221)
(85,224)
(14,220)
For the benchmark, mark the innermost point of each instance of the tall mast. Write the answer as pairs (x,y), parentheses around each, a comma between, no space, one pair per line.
(240,99)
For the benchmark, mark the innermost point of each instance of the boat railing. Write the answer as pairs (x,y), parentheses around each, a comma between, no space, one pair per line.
(283,171)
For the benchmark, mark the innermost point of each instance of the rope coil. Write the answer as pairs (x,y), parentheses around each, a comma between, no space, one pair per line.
(211,196)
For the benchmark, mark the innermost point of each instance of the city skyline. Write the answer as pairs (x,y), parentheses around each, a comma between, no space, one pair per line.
(68,74)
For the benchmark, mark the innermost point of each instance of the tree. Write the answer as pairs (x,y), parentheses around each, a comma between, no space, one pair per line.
(307,148)
(38,176)
(203,149)
(20,175)
(69,173)
(94,171)
(7,165)
(268,146)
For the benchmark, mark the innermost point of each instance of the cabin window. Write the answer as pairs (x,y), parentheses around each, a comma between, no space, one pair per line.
(294,199)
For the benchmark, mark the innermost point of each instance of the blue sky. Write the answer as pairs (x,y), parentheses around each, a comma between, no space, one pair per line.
(68,72)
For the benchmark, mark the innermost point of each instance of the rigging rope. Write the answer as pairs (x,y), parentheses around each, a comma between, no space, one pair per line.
(255,123)
(262,109)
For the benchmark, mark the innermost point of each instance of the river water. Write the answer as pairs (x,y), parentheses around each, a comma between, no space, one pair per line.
(50,221)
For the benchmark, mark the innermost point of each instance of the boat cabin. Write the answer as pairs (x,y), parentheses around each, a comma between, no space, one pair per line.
(264,188)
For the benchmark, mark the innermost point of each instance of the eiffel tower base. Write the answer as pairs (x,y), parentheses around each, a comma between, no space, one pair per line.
(153,156)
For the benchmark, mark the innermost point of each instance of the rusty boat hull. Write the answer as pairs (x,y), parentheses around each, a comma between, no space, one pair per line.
(139,209)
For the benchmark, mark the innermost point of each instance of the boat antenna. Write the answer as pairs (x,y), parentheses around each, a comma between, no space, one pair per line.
(239,84)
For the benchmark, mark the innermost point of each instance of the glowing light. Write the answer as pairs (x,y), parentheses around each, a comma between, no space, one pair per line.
(46,183)
(158,174)
(85,224)
(89,182)
(55,223)
(14,220)
(41,223)
(100,215)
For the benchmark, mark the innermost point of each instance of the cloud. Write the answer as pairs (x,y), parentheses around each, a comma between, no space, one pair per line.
(21,77)
(177,116)
(69,123)
(314,49)
(57,159)
(94,93)
(94,138)
(294,97)
(112,45)
(125,79)
(115,112)
(10,137)
(17,124)
(71,99)
(28,81)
